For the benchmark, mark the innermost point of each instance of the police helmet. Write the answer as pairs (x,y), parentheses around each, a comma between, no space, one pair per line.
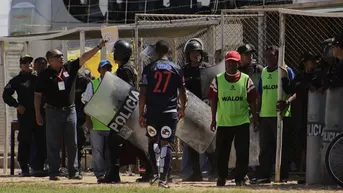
(122,51)
(245,48)
(193,44)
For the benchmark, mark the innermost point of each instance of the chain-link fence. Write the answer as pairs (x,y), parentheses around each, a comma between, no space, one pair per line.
(306,31)
(259,28)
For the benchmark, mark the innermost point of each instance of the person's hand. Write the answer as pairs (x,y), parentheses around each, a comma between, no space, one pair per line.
(282,105)
(20,109)
(39,120)
(213,126)
(181,113)
(89,125)
(142,122)
(102,43)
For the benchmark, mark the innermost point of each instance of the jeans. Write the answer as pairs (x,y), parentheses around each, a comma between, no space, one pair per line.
(100,152)
(61,123)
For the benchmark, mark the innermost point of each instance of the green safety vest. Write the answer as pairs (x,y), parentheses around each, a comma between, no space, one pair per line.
(233,107)
(270,94)
(97,125)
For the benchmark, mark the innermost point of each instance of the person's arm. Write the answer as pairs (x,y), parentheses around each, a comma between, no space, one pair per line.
(259,96)
(142,102)
(291,98)
(8,92)
(142,96)
(183,100)
(37,103)
(39,89)
(212,95)
(88,55)
(252,97)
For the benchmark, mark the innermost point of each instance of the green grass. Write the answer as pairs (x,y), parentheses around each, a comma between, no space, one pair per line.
(24,187)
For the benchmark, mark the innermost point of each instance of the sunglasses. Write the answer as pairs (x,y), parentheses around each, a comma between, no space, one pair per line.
(58,56)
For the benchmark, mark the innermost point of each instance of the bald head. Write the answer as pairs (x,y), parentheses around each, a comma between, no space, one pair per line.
(51,53)
(55,58)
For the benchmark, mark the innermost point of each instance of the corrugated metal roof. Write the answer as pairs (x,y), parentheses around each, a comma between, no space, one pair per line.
(325,9)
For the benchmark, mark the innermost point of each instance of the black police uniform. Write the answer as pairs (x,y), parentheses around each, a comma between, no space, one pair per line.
(193,83)
(80,87)
(125,71)
(24,84)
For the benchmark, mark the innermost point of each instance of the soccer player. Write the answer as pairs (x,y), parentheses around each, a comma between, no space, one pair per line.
(159,86)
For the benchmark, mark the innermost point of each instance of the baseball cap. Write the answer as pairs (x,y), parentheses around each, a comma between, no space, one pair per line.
(246,48)
(338,40)
(306,56)
(104,63)
(25,57)
(232,55)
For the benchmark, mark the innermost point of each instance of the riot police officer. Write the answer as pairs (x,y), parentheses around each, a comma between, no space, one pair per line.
(247,64)
(193,52)
(23,84)
(122,53)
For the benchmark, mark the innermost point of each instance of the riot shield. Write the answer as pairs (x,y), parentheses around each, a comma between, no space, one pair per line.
(194,128)
(208,74)
(315,125)
(115,104)
(254,149)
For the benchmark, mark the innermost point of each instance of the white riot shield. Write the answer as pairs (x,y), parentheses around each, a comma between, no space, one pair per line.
(194,128)
(115,104)
(207,75)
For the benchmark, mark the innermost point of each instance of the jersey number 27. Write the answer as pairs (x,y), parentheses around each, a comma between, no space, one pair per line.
(162,81)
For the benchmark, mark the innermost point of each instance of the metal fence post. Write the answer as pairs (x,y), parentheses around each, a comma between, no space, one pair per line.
(137,61)
(279,116)
(82,47)
(5,160)
(222,24)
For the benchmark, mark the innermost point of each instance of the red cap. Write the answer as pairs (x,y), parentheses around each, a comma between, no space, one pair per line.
(232,55)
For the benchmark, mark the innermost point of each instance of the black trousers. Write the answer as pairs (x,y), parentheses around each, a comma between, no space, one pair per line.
(225,136)
(195,161)
(267,134)
(28,130)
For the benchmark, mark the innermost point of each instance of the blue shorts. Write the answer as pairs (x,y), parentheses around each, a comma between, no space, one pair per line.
(161,126)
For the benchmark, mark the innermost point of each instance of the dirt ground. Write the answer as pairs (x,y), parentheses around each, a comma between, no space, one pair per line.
(177,185)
